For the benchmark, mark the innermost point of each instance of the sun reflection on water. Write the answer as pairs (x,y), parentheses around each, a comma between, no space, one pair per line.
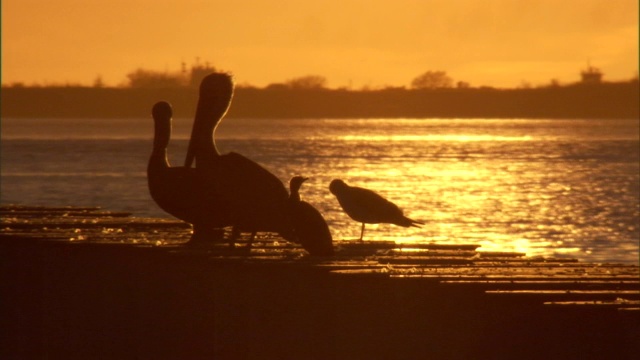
(542,187)
(433,137)
(506,193)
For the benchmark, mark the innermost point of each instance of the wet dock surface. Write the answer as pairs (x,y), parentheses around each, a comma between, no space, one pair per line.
(86,283)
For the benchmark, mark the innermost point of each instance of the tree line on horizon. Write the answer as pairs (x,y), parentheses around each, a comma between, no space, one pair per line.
(190,78)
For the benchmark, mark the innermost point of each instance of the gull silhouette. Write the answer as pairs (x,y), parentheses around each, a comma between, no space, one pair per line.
(366,206)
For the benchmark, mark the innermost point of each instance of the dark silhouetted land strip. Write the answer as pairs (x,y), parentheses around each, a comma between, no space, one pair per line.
(85,283)
(603,101)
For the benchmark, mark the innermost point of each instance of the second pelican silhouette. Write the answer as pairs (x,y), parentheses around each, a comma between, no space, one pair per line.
(366,206)
(256,199)
(178,190)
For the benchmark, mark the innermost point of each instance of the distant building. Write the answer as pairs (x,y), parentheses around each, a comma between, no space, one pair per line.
(592,75)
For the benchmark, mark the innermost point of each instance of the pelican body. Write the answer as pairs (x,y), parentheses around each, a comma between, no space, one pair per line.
(366,206)
(179,190)
(254,199)
(310,228)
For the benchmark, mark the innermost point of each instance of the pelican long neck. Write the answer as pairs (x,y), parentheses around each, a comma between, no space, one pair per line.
(201,144)
(215,98)
(161,138)
(162,133)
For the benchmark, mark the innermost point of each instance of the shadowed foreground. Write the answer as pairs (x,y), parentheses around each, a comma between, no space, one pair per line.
(104,296)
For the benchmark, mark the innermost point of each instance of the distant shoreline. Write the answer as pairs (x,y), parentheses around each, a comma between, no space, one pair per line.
(595,101)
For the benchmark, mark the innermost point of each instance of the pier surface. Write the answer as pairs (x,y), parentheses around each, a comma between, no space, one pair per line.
(85,283)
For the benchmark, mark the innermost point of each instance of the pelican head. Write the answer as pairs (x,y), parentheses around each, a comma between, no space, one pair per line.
(216,92)
(219,85)
(162,109)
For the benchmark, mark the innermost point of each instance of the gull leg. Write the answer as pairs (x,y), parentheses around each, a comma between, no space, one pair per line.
(362,232)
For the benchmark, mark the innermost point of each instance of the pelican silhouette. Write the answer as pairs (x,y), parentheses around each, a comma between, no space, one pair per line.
(255,198)
(179,190)
(310,228)
(366,206)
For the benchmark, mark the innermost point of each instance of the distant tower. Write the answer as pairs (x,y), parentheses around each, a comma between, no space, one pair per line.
(591,75)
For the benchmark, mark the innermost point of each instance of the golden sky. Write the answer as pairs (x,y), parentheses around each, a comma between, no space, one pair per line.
(356,43)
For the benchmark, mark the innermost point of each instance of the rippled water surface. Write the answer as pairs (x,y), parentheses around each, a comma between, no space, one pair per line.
(544,187)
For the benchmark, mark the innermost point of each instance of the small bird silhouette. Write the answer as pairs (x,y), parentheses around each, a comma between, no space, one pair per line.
(310,228)
(366,206)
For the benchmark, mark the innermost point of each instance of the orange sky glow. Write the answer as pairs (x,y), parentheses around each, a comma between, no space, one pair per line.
(353,43)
